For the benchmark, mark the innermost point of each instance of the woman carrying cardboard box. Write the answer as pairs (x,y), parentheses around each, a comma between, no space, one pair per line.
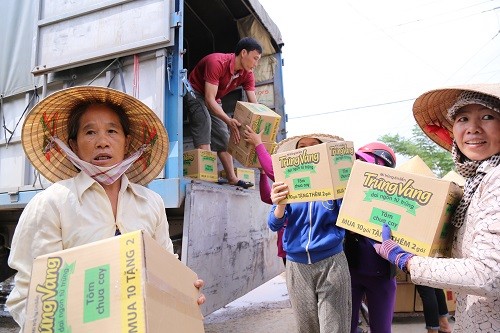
(371,276)
(99,147)
(466,121)
(266,171)
(317,275)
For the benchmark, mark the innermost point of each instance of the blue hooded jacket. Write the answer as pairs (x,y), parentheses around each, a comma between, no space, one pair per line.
(311,234)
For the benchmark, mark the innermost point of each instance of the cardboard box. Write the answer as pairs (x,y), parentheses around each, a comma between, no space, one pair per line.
(243,174)
(201,164)
(127,283)
(259,117)
(247,156)
(315,173)
(405,297)
(262,120)
(401,276)
(417,208)
(451,301)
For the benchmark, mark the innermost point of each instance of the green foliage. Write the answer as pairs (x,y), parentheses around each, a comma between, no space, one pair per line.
(437,158)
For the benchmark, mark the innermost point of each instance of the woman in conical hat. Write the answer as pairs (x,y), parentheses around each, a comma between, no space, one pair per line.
(465,120)
(317,274)
(98,146)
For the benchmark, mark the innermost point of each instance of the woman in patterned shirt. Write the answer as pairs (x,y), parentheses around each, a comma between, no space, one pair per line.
(466,121)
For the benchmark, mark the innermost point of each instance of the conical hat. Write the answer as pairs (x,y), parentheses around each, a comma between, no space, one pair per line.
(49,118)
(431,109)
(452,176)
(291,142)
(416,165)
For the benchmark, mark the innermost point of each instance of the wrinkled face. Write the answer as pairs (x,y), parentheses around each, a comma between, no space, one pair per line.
(249,60)
(100,139)
(306,142)
(477,132)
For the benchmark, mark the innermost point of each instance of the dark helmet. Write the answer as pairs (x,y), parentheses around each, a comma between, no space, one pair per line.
(377,153)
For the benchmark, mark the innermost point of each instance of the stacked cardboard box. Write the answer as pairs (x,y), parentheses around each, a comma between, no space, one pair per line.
(417,208)
(127,283)
(247,175)
(405,297)
(201,164)
(449,296)
(315,173)
(262,120)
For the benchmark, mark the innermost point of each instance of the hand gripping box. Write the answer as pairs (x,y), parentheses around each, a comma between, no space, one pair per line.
(127,283)
(247,156)
(417,208)
(315,173)
(201,164)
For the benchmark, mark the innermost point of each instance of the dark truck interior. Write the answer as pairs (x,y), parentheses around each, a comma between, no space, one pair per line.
(211,26)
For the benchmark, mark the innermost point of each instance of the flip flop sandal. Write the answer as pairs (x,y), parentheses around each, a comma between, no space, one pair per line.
(222,181)
(244,184)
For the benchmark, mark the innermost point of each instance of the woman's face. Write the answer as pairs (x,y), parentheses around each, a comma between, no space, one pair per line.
(477,132)
(100,139)
(306,142)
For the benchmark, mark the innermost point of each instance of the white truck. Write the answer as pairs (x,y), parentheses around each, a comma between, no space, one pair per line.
(145,48)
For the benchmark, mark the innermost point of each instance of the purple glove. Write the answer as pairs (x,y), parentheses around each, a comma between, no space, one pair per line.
(391,251)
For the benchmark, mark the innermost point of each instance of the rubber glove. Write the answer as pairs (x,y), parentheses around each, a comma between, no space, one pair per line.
(391,251)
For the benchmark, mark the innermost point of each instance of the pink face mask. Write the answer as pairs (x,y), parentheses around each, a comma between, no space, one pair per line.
(369,158)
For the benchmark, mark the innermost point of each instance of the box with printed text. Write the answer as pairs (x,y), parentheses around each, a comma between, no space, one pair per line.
(262,120)
(201,164)
(248,156)
(127,283)
(418,208)
(247,175)
(259,117)
(315,173)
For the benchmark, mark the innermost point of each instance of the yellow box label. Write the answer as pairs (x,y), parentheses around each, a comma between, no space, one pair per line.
(132,307)
(313,195)
(373,231)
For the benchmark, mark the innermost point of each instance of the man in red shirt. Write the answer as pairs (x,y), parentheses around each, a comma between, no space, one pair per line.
(212,78)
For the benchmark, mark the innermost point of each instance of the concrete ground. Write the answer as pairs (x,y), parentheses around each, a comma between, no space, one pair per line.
(267,309)
(275,320)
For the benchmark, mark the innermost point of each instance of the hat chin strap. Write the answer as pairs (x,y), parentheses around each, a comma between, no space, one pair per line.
(103,175)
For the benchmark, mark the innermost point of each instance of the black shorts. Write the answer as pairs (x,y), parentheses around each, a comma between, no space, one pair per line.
(205,127)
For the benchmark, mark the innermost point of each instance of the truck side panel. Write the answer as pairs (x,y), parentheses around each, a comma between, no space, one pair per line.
(228,243)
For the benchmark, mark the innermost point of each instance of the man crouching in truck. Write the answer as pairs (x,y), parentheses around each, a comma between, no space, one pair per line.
(215,76)
(98,146)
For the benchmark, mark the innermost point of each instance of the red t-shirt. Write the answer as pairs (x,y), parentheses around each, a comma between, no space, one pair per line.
(218,69)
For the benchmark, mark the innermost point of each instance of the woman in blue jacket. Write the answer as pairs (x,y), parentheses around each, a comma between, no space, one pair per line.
(317,274)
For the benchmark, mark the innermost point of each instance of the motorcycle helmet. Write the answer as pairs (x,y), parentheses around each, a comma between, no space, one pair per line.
(377,153)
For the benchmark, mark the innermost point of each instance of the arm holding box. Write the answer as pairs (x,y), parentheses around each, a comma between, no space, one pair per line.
(265,189)
(476,269)
(262,154)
